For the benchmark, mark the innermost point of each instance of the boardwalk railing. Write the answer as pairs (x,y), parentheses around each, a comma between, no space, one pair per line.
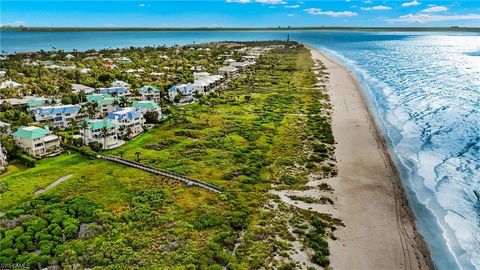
(171,175)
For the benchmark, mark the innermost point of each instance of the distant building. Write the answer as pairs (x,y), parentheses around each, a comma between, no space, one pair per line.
(37,142)
(9,84)
(228,71)
(101,131)
(147,106)
(36,103)
(150,93)
(58,116)
(200,75)
(5,128)
(118,83)
(183,91)
(242,66)
(115,91)
(3,159)
(69,57)
(129,120)
(124,59)
(3,73)
(78,88)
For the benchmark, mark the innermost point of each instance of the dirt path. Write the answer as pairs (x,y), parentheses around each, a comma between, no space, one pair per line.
(58,181)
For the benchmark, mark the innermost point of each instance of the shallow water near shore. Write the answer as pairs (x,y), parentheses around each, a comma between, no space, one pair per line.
(424,92)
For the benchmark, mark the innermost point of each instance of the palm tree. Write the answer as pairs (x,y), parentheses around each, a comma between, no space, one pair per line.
(84,126)
(122,153)
(138,156)
(104,134)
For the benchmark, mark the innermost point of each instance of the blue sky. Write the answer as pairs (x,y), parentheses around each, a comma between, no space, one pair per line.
(240,13)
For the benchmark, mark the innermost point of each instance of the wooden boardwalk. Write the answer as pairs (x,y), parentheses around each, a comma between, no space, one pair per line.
(171,175)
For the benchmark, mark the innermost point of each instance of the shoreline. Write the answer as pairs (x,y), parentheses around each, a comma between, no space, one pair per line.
(380,230)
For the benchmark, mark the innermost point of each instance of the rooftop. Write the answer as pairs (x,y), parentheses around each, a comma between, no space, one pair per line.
(30,132)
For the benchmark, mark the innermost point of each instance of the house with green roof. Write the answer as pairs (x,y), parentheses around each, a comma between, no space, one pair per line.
(147,106)
(101,131)
(36,103)
(36,141)
(106,103)
(149,92)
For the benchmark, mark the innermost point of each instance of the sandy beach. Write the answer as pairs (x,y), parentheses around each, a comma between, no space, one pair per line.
(379,230)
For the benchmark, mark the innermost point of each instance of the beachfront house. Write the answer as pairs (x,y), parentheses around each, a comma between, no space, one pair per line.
(118,83)
(130,122)
(101,131)
(228,71)
(147,106)
(61,116)
(115,91)
(3,159)
(150,93)
(181,93)
(37,142)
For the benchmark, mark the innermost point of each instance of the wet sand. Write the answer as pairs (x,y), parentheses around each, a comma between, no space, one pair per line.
(379,230)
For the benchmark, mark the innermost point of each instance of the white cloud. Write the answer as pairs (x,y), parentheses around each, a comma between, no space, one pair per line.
(376,8)
(141,5)
(292,6)
(348,1)
(238,1)
(269,2)
(434,9)
(367,2)
(317,11)
(424,18)
(410,4)
(290,15)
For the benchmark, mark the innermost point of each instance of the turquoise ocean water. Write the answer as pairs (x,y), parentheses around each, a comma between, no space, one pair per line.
(424,91)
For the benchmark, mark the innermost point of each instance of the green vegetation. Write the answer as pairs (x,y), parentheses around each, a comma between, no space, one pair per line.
(270,129)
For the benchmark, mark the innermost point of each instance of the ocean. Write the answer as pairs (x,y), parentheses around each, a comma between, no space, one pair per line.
(423,89)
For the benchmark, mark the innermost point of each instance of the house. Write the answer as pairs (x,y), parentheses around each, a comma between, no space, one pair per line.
(241,66)
(228,71)
(200,75)
(5,128)
(129,120)
(77,88)
(147,106)
(85,70)
(105,104)
(115,91)
(37,142)
(101,131)
(10,84)
(3,73)
(150,93)
(124,59)
(3,159)
(69,57)
(36,103)
(60,116)
(118,83)
(184,92)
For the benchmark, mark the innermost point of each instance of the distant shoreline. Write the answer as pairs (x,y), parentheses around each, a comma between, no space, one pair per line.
(316,28)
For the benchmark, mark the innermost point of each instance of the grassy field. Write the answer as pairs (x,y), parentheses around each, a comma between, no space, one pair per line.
(270,130)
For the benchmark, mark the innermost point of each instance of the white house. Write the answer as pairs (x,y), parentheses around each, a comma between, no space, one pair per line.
(118,83)
(77,88)
(37,142)
(241,66)
(5,128)
(58,116)
(184,91)
(150,93)
(101,131)
(228,71)
(105,103)
(129,120)
(9,84)
(3,159)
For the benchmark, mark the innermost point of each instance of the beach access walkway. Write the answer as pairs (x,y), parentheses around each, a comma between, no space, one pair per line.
(171,175)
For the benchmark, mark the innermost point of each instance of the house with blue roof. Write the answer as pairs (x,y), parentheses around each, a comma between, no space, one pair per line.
(61,116)
(36,141)
(115,91)
(129,120)
(181,93)
(101,131)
